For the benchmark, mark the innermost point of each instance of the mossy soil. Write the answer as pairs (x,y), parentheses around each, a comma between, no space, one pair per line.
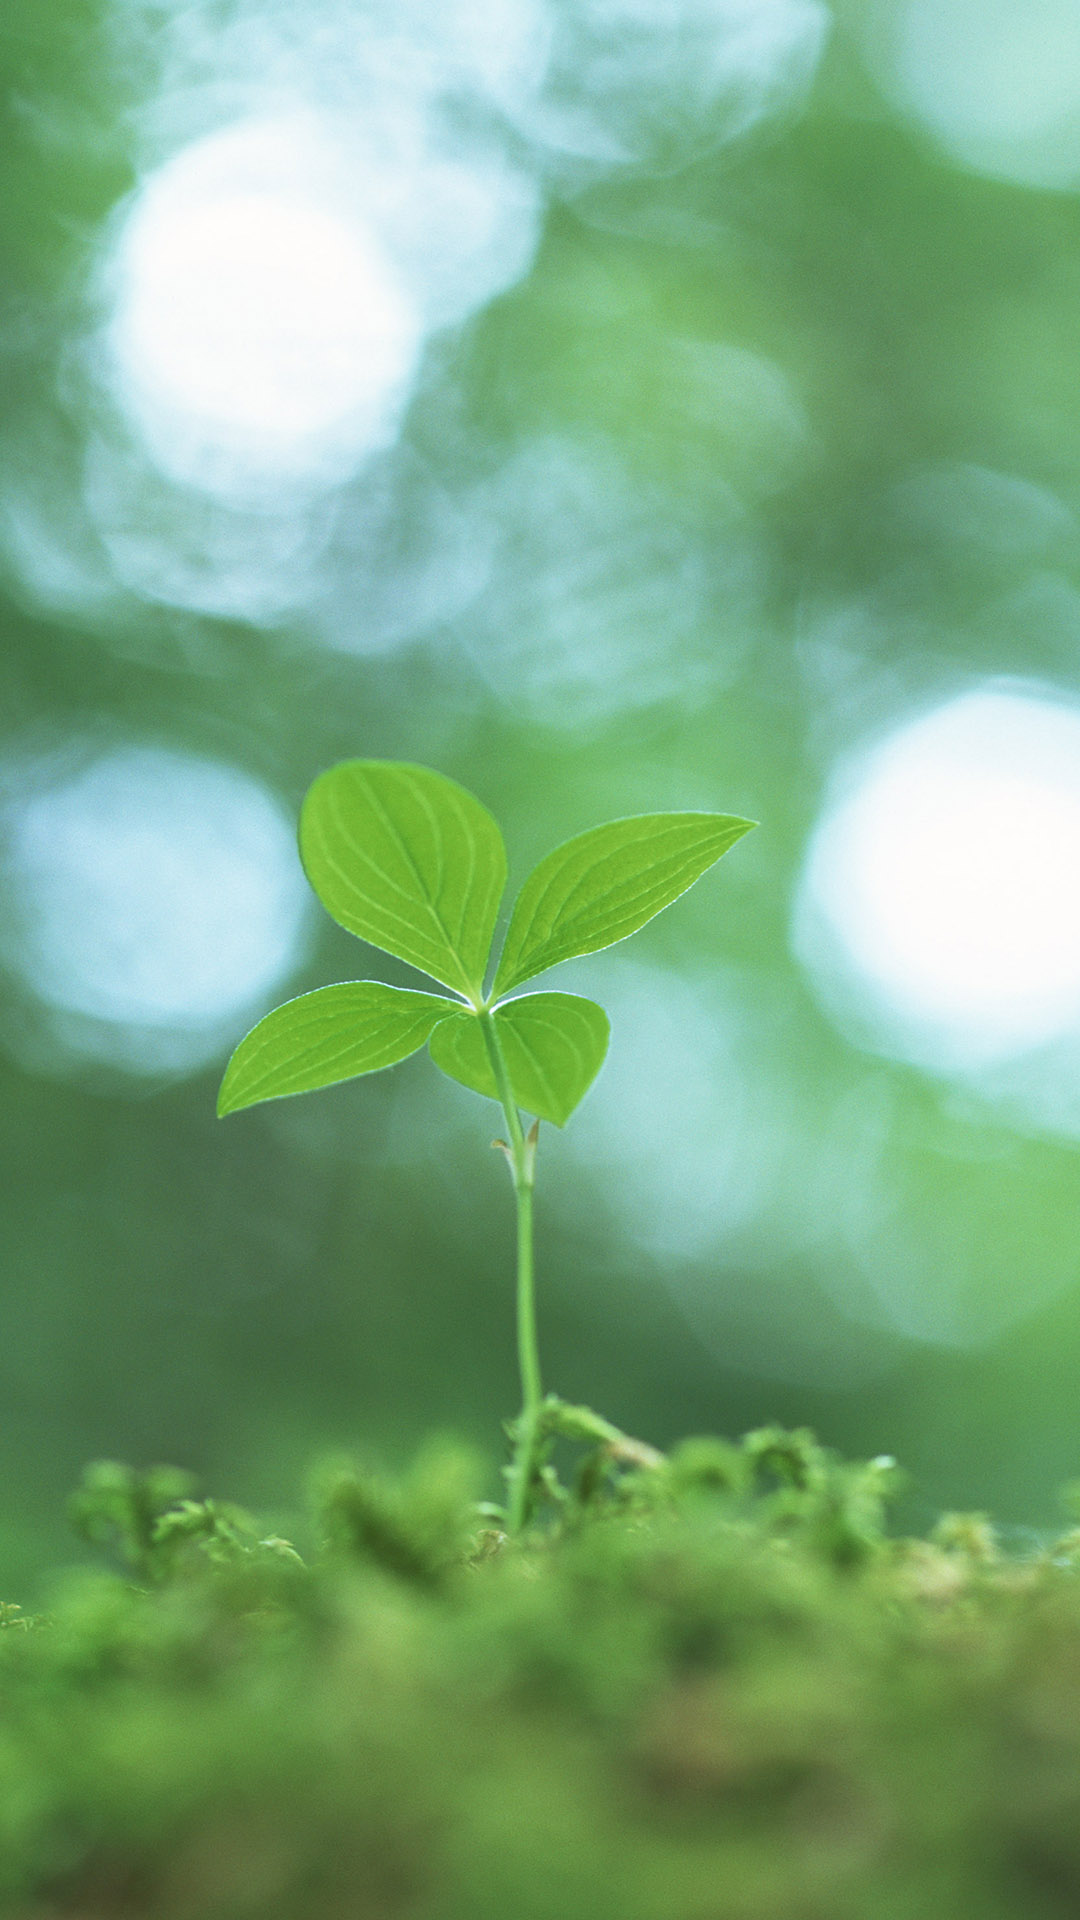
(708,1687)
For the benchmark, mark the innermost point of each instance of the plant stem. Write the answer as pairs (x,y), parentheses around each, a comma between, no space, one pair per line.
(522,1157)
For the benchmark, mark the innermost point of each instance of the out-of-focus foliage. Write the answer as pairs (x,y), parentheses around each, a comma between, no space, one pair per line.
(716,1685)
(617,407)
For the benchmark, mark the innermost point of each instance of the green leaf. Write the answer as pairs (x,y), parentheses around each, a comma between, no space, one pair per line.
(553,1044)
(330,1035)
(409,861)
(606,884)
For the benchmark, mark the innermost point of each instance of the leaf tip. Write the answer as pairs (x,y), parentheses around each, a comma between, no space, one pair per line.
(228,1100)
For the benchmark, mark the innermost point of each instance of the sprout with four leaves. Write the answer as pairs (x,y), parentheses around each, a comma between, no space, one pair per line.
(410,862)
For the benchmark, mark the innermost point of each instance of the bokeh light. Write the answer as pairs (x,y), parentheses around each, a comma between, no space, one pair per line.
(315,213)
(259,334)
(632,86)
(997,84)
(576,618)
(940,901)
(152,899)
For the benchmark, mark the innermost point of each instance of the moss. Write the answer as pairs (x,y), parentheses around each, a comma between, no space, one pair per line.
(712,1688)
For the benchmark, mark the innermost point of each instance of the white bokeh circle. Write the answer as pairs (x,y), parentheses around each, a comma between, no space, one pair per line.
(939,907)
(260,332)
(996,84)
(149,893)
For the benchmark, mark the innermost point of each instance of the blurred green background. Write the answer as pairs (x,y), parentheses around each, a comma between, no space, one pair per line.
(618,406)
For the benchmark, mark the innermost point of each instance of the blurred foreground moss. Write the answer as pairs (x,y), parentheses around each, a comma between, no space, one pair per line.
(713,1688)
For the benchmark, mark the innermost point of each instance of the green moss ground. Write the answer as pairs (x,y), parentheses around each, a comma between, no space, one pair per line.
(709,1688)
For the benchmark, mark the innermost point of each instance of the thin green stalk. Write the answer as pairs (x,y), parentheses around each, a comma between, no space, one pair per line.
(522,1157)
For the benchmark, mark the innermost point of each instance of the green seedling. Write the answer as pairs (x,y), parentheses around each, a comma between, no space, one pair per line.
(410,862)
